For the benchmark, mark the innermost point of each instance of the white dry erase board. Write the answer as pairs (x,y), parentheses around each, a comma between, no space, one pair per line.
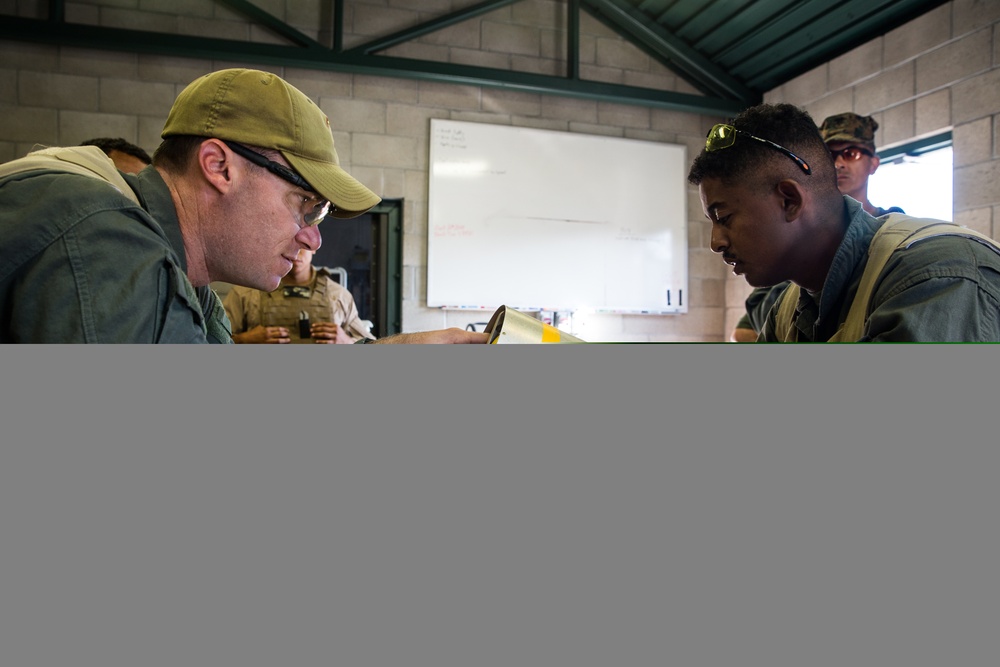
(545,220)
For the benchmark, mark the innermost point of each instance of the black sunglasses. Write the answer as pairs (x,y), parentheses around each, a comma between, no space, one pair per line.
(850,154)
(723,136)
(275,168)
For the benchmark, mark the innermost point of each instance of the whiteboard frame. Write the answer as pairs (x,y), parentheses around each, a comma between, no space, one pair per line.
(537,220)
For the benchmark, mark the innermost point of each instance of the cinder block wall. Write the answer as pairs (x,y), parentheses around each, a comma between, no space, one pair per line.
(939,72)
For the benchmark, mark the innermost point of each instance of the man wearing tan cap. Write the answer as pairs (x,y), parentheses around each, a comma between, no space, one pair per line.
(246,171)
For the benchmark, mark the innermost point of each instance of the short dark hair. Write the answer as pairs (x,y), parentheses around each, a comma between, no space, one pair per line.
(175,152)
(745,160)
(108,144)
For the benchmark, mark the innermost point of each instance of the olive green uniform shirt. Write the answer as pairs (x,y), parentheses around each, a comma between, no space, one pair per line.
(942,289)
(82,263)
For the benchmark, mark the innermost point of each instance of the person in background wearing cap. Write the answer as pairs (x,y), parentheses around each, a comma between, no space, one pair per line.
(246,171)
(850,138)
(127,156)
(770,191)
(276,317)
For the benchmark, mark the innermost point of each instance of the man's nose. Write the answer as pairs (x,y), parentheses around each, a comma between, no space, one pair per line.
(719,242)
(310,237)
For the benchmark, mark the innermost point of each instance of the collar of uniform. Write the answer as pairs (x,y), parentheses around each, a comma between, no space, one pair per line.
(848,261)
(155,197)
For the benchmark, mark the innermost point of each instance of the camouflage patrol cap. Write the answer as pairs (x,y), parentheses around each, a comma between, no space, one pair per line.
(849,127)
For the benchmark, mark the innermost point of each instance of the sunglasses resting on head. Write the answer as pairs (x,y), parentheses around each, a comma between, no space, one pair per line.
(724,136)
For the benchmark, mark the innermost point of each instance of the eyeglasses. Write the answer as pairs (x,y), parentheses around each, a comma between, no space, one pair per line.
(723,136)
(851,153)
(313,210)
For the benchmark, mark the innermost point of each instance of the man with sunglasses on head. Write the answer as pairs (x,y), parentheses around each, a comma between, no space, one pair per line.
(770,191)
(850,139)
(246,171)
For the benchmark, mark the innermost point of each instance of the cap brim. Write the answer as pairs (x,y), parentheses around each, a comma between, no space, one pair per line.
(347,194)
(847,139)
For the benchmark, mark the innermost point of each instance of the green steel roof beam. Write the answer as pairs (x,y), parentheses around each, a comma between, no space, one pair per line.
(672,51)
(257,14)
(433,25)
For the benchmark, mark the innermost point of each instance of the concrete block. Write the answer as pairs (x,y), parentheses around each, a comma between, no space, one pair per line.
(624,115)
(972,142)
(8,85)
(377,21)
(601,74)
(897,124)
(419,51)
(955,61)
(519,39)
(595,129)
(93,62)
(888,88)
(28,56)
(704,292)
(978,219)
(8,151)
(569,108)
(916,37)
(481,117)
(349,115)
(976,97)
(737,290)
(679,121)
(657,81)
(319,84)
(933,112)
(29,124)
(511,102)
(540,123)
(131,19)
(136,97)
(77,126)
(970,15)
(378,150)
(808,87)
(857,65)
(449,96)
(462,35)
(410,121)
(834,103)
(82,14)
(476,58)
(58,91)
(400,91)
(533,65)
(168,69)
(181,7)
(657,136)
(552,45)
(617,53)
(149,131)
(540,13)
(977,185)
(415,188)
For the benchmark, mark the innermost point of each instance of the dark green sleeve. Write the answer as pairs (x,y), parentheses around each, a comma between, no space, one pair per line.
(106,279)
(218,328)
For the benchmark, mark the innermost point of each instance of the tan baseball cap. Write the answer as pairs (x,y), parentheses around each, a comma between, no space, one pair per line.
(261,109)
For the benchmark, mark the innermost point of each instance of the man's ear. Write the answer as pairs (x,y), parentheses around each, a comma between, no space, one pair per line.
(792,196)
(216,164)
(875,163)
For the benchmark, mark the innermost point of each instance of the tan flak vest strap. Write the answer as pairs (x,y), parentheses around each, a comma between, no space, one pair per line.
(898,232)
(83,160)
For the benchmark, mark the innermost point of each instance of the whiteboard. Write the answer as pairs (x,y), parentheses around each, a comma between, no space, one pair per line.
(546,220)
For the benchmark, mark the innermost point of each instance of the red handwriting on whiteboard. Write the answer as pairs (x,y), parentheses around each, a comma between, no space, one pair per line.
(451,230)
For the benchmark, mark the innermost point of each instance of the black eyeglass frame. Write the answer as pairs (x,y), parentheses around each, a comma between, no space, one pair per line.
(275,168)
(709,147)
(862,151)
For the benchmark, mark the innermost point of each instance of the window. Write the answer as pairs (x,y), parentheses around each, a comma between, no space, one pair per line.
(916,177)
